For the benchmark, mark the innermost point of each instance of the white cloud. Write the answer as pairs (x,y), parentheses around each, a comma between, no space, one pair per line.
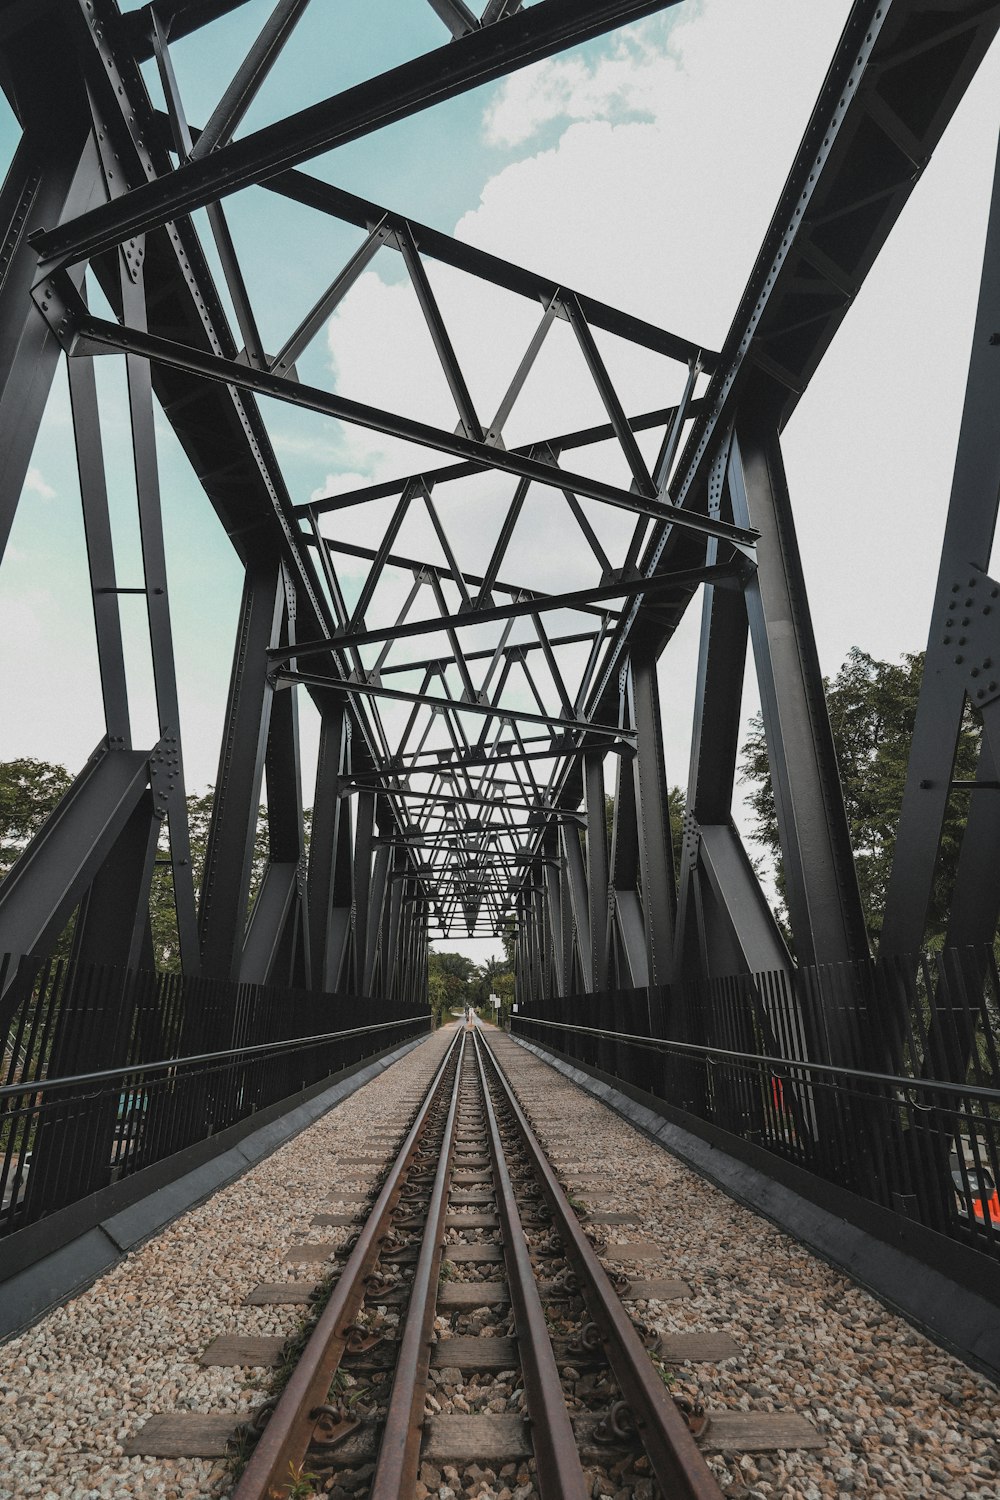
(653,197)
(653,192)
(340,483)
(36,484)
(645,173)
(661,215)
(625,83)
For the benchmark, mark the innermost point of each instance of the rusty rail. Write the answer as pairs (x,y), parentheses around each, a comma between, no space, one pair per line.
(286,1437)
(399,1452)
(677,1461)
(557,1460)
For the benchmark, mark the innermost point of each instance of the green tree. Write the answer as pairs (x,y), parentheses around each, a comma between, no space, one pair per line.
(675,812)
(497,978)
(450,980)
(162,913)
(29,790)
(872,706)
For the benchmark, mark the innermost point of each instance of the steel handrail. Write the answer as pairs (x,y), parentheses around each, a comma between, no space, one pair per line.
(287,1044)
(660,1043)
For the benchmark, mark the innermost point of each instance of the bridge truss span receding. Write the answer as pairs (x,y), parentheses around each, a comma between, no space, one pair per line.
(475,711)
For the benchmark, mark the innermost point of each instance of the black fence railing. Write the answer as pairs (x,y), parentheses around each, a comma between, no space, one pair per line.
(107,1071)
(771,1059)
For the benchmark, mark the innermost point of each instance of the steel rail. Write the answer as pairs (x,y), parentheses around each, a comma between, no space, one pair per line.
(680,1468)
(398,1460)
(286,1437)
(557,1458)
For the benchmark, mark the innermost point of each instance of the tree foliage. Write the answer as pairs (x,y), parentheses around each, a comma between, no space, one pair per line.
(454,981)
(162,913)
(29,791)
(449,982)
(675,812)
(872,706)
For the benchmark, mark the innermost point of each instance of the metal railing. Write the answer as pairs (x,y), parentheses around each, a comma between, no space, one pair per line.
(183,1061)
(746,1055)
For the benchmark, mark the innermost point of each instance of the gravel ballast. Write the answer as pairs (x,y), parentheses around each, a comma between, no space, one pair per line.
(81,1381)
(900,1416)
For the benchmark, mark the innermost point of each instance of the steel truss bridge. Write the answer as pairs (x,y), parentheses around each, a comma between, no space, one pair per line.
(467,736)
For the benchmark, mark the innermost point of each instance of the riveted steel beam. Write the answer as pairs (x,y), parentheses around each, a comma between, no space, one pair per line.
(473,60)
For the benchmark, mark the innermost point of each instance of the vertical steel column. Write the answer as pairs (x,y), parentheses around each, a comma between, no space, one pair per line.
(597,865)
(364,836)
(330,855)
(554,910)
(567,933)
(147,484)
(549,939)
(375,977)
(963,647)
(627,928)
(113,922)
(975,897)
(656,860)
(276,947)
(55,175)
(278,937)
(724,923)
(229,857)
(824,904)
(391,956)
(100,550)
(524,978)
(404,967)
(371,879)
(538,938)
(579,901)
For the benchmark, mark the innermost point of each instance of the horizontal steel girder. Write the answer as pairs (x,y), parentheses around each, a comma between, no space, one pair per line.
(473,60)
(450,705)
(718,573)
(85,334)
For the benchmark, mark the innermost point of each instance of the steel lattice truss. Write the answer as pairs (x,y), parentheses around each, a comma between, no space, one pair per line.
(468,717)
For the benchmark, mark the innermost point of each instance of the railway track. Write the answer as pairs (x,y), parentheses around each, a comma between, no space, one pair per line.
(471,1223)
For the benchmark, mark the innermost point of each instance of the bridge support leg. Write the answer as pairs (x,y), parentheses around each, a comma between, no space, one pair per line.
(964,636)
(330,853)
(656,859)
(229,858)
(824,904)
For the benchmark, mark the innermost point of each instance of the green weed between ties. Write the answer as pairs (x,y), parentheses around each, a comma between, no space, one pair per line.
(241,1444)
(301,1483)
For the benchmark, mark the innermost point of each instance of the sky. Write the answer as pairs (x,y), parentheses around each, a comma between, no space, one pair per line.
(642,169)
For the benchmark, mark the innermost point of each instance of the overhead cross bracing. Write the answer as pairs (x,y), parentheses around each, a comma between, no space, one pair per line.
(470,694)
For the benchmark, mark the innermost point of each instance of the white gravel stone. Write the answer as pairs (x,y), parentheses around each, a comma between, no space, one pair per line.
(902,1417)
(85,1377)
